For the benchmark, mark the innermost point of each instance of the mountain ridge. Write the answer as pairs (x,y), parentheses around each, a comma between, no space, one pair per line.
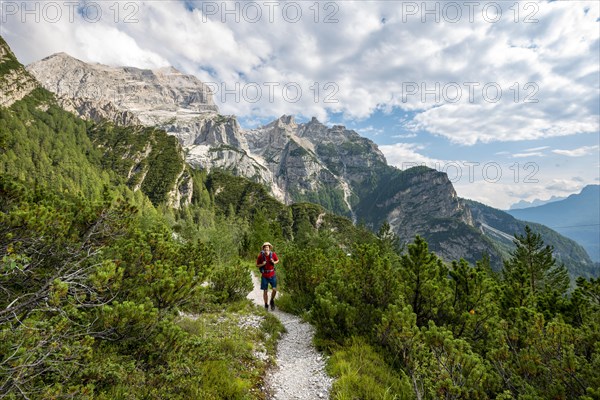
(521,204)
(298,162)
(577,217)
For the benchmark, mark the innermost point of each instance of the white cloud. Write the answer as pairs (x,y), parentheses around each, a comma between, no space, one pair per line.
(581,151)
(528,154)
(503,193)
(358,64)
(496,194)
(466,124)
(538,148)
(563,186)
(370,130)
(406,155)
(405,136)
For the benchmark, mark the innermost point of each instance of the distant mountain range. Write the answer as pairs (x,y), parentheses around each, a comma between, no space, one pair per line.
(576,217)
(297,162)
(534,203)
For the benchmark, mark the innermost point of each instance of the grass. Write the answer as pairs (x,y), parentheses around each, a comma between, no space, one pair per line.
(238,345)
(293,305)
(361,373)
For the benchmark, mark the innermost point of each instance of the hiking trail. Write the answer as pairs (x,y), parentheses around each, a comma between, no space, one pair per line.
(300,369)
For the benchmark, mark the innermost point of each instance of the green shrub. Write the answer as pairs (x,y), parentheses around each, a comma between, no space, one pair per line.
(230,282)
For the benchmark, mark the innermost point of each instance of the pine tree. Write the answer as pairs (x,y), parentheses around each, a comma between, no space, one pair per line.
(425,285)
(388,240)
(532,273)
(474,306)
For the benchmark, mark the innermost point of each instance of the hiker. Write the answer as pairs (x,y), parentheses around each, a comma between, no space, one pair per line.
(266,263)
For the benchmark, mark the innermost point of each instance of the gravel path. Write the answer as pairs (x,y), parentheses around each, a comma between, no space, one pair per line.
(300,371)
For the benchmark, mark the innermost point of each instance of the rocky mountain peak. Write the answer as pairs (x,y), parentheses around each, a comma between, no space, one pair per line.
(285,123)
(288,120)
(62,60)
(154,97)
(314,124)
(170,70)
(63,56)
(317,131)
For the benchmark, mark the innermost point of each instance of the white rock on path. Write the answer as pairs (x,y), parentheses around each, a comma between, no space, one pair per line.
(300,370)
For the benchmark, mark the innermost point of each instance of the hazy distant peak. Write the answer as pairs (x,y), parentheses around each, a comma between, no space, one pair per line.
(590,189)
(534,203)
(522,204)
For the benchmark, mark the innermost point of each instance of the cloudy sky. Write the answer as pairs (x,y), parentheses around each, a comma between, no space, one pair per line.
(503,96)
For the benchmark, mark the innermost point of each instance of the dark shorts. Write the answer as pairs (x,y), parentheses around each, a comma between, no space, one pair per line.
(264,282)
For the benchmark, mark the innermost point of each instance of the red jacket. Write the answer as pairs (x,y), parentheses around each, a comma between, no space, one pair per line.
(269,268)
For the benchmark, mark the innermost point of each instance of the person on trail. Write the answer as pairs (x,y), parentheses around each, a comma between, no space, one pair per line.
(266,263)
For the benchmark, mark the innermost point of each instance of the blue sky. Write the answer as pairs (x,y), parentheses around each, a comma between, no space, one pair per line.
(503,96)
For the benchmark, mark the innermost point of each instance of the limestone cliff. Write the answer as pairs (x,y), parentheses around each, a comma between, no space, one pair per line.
(155,97)
(15,82)
(165,98)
